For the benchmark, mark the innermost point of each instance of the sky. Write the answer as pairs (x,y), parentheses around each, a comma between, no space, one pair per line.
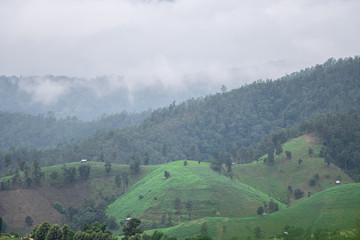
(174,43)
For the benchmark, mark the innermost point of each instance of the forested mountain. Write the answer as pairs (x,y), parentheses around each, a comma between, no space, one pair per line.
(40,132)
(198,128)
(87,99)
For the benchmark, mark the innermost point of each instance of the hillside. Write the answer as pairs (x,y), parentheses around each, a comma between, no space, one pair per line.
(37,201)
(276,179)
(191,192)
(333,208)
(210,194)
(41,132)
(196,129)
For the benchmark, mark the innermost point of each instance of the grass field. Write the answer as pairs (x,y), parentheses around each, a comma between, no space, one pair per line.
(211,194)
(227,206)
(334,208)
(274,180)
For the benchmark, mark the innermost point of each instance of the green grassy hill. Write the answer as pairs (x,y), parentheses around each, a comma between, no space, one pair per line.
(211,194)
(334,208)
(274,180)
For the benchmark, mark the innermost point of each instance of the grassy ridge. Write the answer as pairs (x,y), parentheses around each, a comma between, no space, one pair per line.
(274,180)
(211,194)
(334,208)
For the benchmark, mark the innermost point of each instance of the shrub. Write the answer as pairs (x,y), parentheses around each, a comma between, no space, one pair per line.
(58,206)
(298,193)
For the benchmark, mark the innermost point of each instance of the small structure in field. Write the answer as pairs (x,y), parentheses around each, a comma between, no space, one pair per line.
(83,160)
(337,182)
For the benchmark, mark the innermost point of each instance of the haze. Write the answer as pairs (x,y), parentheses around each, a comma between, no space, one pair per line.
(172,43)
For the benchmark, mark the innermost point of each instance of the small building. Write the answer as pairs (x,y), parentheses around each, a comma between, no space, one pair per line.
(337,182)
(83,160)
(128,219)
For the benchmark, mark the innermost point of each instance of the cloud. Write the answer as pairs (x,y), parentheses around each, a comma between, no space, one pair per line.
(169,42)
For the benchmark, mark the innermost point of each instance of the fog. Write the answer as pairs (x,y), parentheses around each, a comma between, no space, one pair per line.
(174,44)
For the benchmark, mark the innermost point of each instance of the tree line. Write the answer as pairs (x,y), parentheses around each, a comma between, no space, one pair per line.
(230,122)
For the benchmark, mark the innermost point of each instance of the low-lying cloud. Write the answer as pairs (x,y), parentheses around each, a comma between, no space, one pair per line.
(172,43)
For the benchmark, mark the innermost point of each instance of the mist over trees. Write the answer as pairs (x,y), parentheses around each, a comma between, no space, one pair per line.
(214,123)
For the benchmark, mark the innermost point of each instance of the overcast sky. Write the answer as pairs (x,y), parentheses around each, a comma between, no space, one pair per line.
(174,42)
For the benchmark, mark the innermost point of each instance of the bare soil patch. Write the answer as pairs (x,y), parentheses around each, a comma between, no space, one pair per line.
(37,202)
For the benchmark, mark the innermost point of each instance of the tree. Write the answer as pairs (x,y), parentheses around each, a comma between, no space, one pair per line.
(273,207)
(112,223)
(84,171)
(288,154)
(278,149)
(55,233)
(37,174)
(7,160)
(257,232)
(29,220)
(298,193)
(177,205)
(204,229)
(166,174)
(69,174)
(68,233)
(300,161)
(146,158)
(107,166)
(260,210)
(102,159)
(131,228)
(135,166)
(311,151)
(53,175)
(42,230)
(118,180)
(21,163)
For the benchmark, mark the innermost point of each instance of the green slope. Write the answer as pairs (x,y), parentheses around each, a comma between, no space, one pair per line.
(211,194)
(334,208)
(274,180)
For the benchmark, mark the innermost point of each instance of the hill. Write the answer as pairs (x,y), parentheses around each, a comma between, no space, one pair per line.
(41,132)
(153,198)
(37,201)
(196,129)
(333,208)
(281,179)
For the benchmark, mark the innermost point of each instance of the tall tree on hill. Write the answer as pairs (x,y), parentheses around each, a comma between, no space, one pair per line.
(7,160)
(135,165)
(146,158)
(84,171)
(132,228)
(37,174)
(42,230)
(107,166)
(55,233)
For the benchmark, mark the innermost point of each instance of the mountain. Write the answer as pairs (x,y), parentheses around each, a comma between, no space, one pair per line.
(198,128)
(42,132)
(88,99)
(215,199)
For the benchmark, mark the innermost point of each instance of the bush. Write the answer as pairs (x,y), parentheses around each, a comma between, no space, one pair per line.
(58,206)
(298,193)
(312,182)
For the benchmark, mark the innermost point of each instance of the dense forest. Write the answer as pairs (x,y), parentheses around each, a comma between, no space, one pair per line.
(228,121)
(40,132)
